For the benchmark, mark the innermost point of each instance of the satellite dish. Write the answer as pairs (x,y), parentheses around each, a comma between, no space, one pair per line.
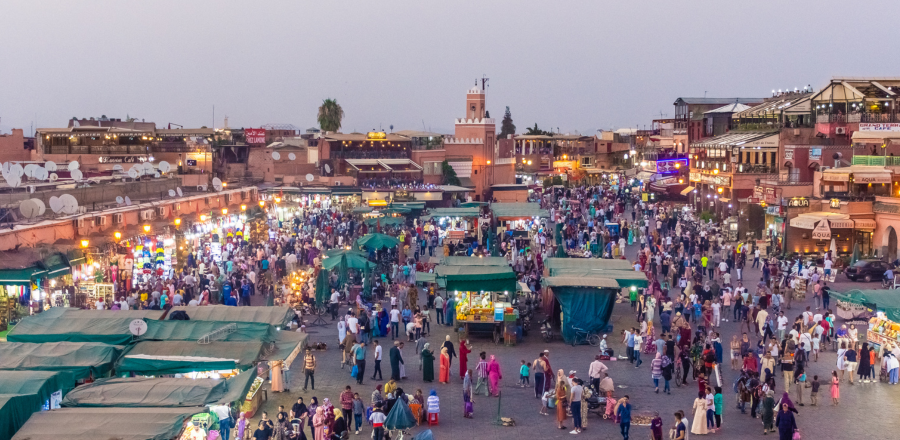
(13,180)
(217,183)
(276,155)
(41,173)
(77,175)
(29,209)
(171,193)
(133,173)
(138,327)
(120,200)
(127,201)
(327,168)
(178,190)
(148,167)
(53,177)
(118,167)
(310,177)
(73,165)
(56,204)
(164,167)
(29,169)
(51,166)
(16,170)
(42,208)
(292,156)
(70,204)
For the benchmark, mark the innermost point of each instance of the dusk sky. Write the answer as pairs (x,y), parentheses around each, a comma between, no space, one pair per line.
(575,65)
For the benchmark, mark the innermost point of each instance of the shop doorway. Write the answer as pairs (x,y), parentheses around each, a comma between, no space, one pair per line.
(891,243)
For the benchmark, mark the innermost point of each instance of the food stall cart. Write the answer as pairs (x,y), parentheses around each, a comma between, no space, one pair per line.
(881,308)
(482,297)
(454,223)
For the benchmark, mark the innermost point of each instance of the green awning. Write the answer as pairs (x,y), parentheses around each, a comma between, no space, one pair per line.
(61,325)
(410,205)
(107,423)
(586,308)
(623,277)
(22,393)
(172,357)
(76,256)
(362,209)
(396,210)
(886,300)
(477,278)
(19,277)
(452,212)
(587,264)
(15,410)
(317,190)
(424,277)
(56,265)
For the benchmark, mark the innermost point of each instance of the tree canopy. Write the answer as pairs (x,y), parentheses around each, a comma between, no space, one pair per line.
(507,127)
(330,115)
(534,131)
(449,174)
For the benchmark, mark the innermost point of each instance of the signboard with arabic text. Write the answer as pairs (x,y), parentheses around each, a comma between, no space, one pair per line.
(255,135)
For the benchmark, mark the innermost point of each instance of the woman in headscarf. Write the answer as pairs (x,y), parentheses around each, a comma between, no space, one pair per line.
(451,351)
(561,393)
(340,425)
(548,372)
(494,375)
(468,405)
(865,368)
(464,350)
(768,412)
(786,423)
(318,423)
(786,399)
(313,405)
(427,363)
(376,396)
(444,376)
(699,425)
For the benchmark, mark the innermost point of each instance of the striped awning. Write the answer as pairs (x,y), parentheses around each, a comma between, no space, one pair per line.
(687,190)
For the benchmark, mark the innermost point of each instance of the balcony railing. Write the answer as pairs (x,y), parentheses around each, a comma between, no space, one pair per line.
(754,169)
(369,155)
(889,161)
(856,117)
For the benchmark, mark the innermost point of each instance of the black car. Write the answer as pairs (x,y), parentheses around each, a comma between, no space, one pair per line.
(868,270)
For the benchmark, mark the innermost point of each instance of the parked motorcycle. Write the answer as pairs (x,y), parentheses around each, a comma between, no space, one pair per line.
(546,330)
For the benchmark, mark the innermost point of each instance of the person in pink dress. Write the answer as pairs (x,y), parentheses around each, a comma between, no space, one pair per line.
(444,376)
(494,375)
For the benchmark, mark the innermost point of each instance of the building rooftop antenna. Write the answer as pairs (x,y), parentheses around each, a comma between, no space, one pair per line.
(484,83)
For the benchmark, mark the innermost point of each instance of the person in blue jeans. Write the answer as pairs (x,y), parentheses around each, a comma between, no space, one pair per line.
(624,415)
(395,323)
(359,408)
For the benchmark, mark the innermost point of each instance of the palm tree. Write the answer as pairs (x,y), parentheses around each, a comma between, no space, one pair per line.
(330,115)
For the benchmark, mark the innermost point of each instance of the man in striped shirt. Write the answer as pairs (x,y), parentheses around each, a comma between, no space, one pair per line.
(482,373)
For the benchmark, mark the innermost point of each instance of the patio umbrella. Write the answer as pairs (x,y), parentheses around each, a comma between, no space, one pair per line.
(400,417)
(833,248)
(322,288)
(855,257)
(378,241)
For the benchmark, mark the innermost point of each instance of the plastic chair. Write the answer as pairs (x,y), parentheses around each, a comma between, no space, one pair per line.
(433,419)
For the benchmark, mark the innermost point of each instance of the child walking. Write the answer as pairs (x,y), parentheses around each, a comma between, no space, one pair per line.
(524,374)
(545,403)
(359,408)
(814,393)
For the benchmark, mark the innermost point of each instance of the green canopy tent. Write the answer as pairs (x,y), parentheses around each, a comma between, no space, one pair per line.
(514,211)
(586,302)
(362,209)
(378,241)
(193,330)
(156,358)
(23,393)
(107,423)
(81,359)
(110,330)
(280,316)
(385,221)
(161,392)
(424,278)
(396,210)
(477,278)
(588,263)
(624,278)
(343,260)
(885,300)
(475,261)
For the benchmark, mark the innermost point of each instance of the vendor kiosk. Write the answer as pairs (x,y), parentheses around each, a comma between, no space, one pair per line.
(482,296)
